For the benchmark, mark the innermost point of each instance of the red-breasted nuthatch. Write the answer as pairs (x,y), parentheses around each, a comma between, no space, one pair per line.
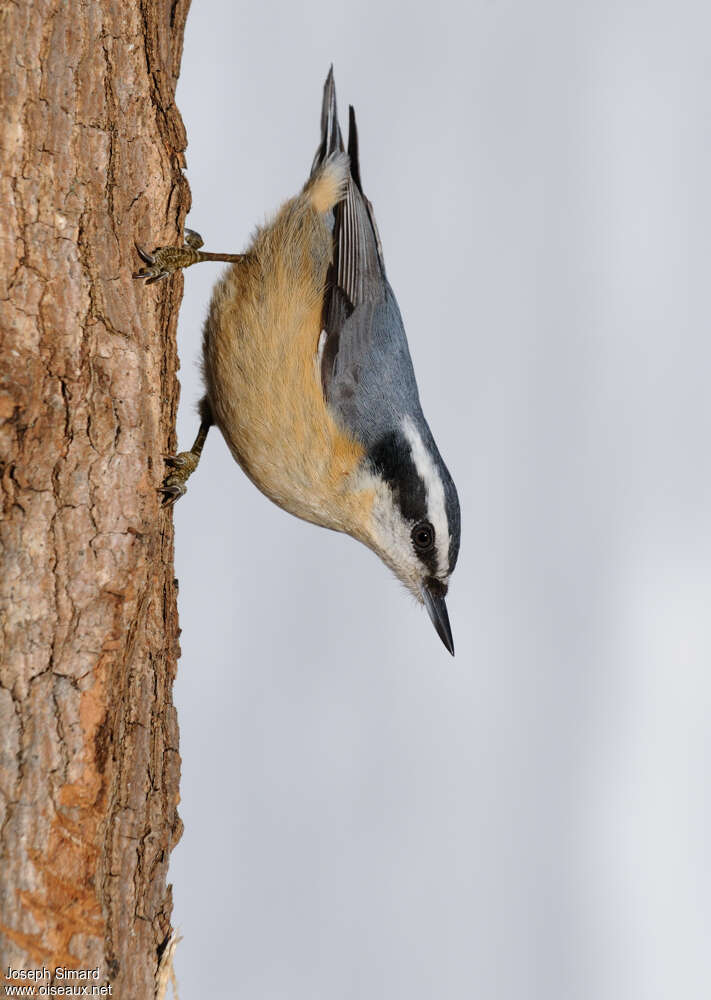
(308,376)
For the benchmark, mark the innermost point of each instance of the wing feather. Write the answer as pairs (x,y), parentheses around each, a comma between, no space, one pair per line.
(365,356)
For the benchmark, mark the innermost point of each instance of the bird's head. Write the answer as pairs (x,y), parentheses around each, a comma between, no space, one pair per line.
(414,522)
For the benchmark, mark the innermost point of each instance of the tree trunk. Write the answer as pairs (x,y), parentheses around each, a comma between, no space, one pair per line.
(91,149)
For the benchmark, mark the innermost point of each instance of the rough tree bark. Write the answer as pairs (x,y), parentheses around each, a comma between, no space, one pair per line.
(91,149)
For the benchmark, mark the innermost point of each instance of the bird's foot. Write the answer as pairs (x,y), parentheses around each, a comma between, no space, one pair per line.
(182,467)
(164,260)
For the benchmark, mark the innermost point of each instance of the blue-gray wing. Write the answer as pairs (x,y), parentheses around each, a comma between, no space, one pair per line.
(366,369)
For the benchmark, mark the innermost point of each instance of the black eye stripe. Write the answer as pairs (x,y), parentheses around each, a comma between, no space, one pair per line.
(393,460)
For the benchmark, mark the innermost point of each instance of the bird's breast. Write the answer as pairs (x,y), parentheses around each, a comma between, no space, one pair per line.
(260,352)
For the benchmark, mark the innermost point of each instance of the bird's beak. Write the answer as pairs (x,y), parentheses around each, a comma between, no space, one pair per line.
(437,610)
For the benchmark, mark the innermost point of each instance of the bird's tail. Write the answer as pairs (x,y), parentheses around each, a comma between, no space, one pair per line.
(330,171)
(331,138)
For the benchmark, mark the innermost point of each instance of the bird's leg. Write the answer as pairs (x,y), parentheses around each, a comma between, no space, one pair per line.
(164,260)
(182,467)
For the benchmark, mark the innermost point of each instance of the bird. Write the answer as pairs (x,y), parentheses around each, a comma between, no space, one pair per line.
(309,377)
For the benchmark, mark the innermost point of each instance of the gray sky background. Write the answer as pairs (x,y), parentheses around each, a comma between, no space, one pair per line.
(365,818)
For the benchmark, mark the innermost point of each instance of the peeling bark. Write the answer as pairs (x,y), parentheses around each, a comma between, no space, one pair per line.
(91,150)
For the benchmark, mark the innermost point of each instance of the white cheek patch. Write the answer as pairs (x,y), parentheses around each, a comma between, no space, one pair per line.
(436,506)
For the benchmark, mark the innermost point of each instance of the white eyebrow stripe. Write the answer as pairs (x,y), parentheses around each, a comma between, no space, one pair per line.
(434,488)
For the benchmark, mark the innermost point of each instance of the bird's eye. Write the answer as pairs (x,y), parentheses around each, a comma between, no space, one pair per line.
(423,536)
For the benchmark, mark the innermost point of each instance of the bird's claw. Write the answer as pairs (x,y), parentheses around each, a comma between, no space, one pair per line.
(173,486)
(163,261)
(192,239)
(172,493)
(180,460)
